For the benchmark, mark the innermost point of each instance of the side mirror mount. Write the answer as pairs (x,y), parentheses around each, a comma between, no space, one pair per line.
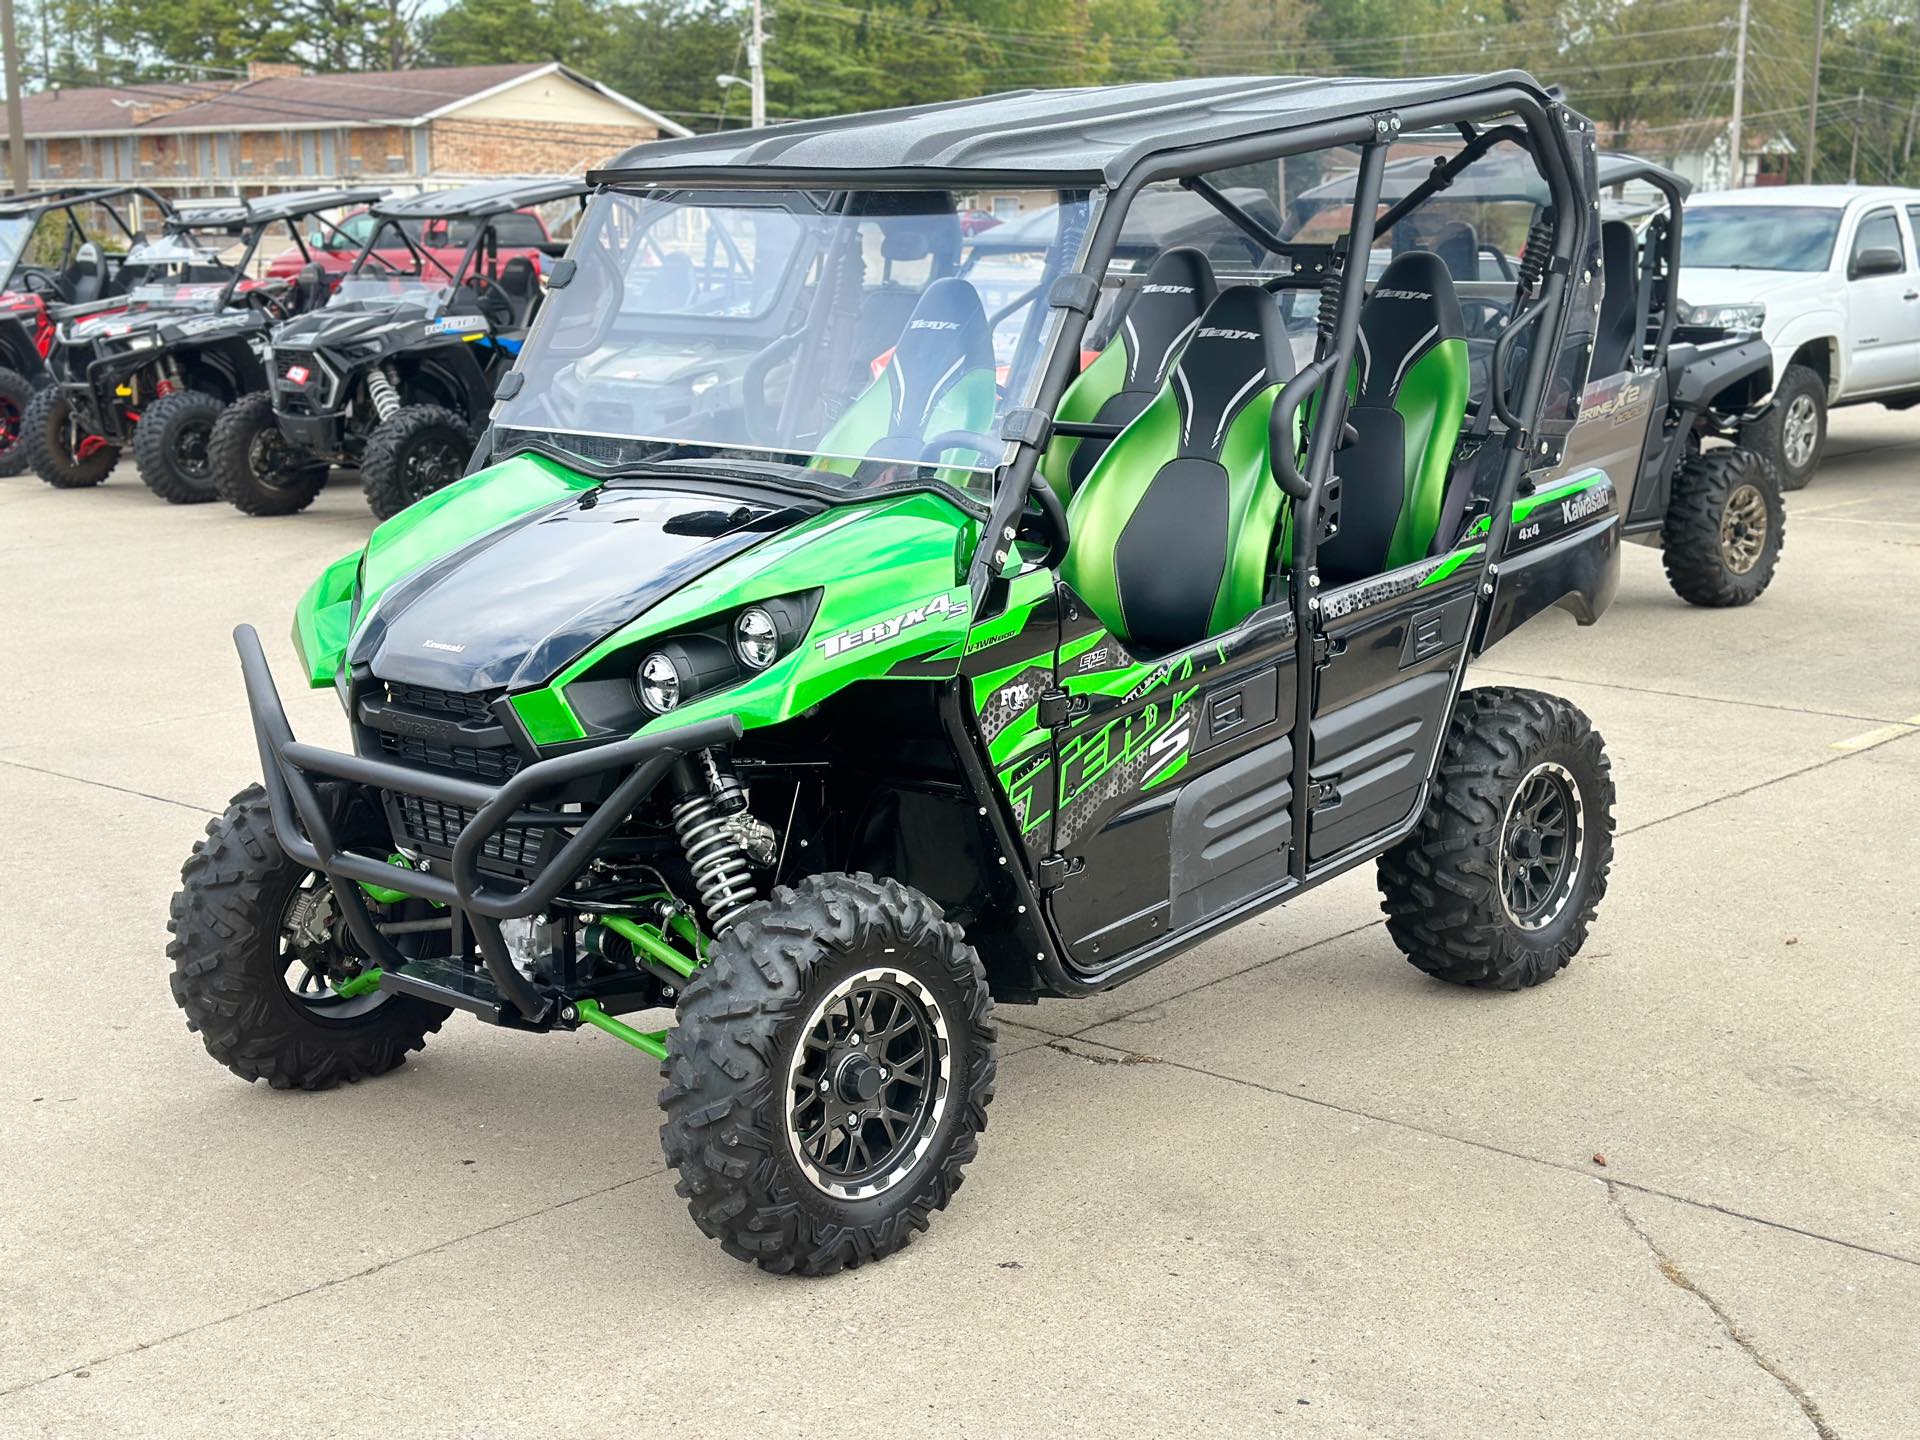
(1876,260)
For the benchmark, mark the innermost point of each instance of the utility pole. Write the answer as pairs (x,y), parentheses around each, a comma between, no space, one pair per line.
(1859,116)
(1813,96)
(1739,100)
(16,124)
(756,69)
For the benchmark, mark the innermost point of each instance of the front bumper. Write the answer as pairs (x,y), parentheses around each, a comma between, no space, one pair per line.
(479,901)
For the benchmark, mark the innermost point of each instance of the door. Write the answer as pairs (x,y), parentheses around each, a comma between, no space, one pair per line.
(1174,781)
(1392,649)
(1883,311)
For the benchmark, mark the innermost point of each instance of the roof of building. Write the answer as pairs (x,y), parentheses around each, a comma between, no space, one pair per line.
(281,102)
(1087,136)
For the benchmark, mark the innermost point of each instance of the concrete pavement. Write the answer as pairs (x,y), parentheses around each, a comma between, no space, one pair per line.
(1323,1196)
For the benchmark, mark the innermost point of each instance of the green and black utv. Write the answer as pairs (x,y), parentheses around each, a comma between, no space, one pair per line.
(396,375)
(825,653)
(1665,403)
(154,371)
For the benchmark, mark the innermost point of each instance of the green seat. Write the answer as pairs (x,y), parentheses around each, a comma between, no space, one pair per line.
(1173,529)
(1409,388)
(1151,323)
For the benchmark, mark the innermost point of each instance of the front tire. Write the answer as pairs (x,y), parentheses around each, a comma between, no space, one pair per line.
(51,441)
(16,394)
(1720,542)
(417,450)
(1497,884)
(171,446)
(246,917)
(1792,435)
(808,1134)
(254,469)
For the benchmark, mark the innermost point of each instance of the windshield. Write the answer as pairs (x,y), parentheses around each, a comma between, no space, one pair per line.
(1758,237)
(14,230)
(372,285)
(848,333)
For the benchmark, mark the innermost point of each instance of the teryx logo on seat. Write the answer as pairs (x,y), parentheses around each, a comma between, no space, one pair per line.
(942,607)
(1215,332)
(934,325)
(1401,295)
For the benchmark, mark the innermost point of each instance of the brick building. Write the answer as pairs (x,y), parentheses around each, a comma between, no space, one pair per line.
(280,129)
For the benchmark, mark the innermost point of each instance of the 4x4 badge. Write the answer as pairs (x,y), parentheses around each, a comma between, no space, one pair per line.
(940,607)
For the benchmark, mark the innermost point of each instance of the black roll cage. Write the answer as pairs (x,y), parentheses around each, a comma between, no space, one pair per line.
(486,240)
(42,203)
(256,228)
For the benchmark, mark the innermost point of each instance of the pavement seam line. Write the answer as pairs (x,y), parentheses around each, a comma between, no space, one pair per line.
(329,1284)
(1685,695)
(1679,1278)
(1432,1133)
(104,785)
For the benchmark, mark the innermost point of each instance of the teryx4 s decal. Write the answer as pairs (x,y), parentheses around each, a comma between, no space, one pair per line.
(941,607)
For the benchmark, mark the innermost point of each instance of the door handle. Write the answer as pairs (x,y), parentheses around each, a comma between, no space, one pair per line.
(1911,295)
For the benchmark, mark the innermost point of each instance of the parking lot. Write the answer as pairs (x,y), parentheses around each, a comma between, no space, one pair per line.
(1285,1185)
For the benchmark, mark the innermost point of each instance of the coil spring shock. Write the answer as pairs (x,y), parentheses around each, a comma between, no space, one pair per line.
(702,819)
(1535,254)
(380,389)
(1329,319)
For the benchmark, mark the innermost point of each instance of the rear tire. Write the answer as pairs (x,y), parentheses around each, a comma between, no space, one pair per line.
(16,394)
(1497,884)
(48,439)
(1725,525)
(170,446)
(255,470)
(417,450)
(231,963)
(803,1145)
(1792,435)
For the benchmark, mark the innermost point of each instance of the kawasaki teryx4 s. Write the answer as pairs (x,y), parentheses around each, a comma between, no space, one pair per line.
(156,371)
(396,374)
(60,254)
(763,674)
(1660,399)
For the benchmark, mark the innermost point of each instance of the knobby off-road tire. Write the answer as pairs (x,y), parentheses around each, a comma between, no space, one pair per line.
(254,469)
(1449,887)
(229,970)
(417,450)
(16,394)
(170,447)
(741,1102)
(46,439)
(1724,528)
(1792,435)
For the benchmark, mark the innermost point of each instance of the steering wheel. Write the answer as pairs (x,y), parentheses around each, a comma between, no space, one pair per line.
(39,282)
(271,303)
(981,444)
(1484,318)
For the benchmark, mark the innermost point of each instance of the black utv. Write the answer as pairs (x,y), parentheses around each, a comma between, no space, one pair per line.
(1664,403)
(396,374)
(156,370)
(59,250)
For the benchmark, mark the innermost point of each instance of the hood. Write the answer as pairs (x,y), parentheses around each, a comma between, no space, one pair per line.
(1735,287)
(344,324)
(511,607)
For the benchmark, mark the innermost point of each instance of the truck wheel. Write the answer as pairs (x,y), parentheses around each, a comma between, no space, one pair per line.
(829,1075)
(1498,882)
(254,469)
(170,446)
(258,950)
(1793,433)
(1724,528)
(58,453)
(16,394)
(415,451)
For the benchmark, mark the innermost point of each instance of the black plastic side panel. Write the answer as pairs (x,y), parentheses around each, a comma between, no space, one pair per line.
(1373,754)
(1231,828)
(1703,371)
(1579,571)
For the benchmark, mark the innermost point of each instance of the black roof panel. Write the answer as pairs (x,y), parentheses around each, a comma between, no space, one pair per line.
(1090,136)
(293,205)
(488,197)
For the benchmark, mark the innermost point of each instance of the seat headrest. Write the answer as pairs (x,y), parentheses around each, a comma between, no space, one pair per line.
(1238,349)
(1616,247)
(518,277)
(1161,311)
(1414,306)
(945,338)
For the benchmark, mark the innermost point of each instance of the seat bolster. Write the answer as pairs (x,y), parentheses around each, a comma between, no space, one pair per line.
(1432,404)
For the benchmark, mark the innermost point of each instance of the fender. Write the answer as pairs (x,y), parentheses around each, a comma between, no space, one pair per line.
(1826,325)
(1707,371)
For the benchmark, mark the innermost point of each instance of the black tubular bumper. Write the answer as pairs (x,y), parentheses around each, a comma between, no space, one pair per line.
(300,822)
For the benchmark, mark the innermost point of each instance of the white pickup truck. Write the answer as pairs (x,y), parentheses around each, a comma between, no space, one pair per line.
(1828,275)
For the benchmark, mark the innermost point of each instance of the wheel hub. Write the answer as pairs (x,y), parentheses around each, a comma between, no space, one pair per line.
(1542,850)
(1799,428)
(858,1079)
(1743,529)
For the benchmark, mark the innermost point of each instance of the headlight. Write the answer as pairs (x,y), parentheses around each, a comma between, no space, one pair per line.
(1725,317)
(658,683)
(756,639)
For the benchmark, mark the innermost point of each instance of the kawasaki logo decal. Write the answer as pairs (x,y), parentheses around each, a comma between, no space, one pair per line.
(941,607)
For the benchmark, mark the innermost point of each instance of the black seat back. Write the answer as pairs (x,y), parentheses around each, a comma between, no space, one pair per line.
(520,285)
(310,288)
(86,277)
(1616,336)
